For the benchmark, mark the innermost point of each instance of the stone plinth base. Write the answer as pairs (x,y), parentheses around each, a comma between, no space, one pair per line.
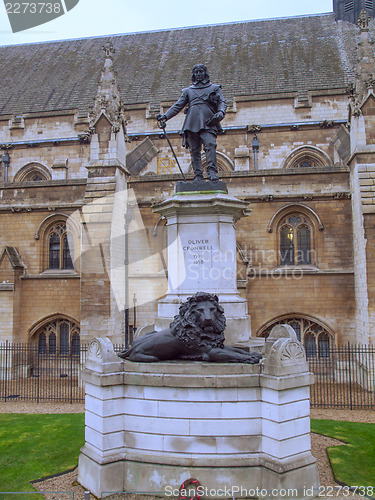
(203,186)
(254,481)
(152,426)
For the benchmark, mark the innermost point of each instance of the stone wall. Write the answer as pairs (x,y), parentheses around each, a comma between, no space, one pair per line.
(45,139)
(103,232)
(6,312)
(360,264)
(276,144)
(37,293)
(282,123)
(324,290)
(45,297)
(369,227)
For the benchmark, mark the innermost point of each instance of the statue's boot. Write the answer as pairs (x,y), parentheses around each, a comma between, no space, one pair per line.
(195,145)
(197,167)
(212,173)
(210,150)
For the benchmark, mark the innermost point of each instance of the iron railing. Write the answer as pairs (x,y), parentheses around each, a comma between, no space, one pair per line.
(28,372)
(344,376)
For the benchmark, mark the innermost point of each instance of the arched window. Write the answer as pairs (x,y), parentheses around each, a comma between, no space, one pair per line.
(59,253)
(307,157)
(59,235)
(61,336)
(287,245)
(64,338)
(304,244)
(75,344)
(295,232)
(35,176)
(315,337)
(33,172)
(52,343)
(296,325)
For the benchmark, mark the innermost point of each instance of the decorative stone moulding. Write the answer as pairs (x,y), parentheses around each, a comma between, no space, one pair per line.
(101,357)
(284,353)
(153,426)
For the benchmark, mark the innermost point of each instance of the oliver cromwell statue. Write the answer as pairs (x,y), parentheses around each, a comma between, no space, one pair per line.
(206,109)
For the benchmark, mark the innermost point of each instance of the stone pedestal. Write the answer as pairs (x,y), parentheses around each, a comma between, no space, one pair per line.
(202,257)
(152,426)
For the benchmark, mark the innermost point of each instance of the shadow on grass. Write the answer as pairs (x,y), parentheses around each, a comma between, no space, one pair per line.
(353,462)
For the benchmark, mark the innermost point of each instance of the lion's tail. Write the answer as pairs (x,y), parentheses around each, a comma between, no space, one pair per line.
(139,340)
(125,354)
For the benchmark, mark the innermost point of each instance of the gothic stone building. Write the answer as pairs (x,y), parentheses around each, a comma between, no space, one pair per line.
(82,158)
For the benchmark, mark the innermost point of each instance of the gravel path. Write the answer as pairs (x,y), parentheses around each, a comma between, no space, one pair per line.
(68,482)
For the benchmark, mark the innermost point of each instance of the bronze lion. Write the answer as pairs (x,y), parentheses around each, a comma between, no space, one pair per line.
(196,333)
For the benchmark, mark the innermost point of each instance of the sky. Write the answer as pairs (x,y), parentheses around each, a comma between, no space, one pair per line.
(105,17)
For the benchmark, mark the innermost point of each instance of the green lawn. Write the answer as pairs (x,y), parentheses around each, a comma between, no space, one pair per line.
(35,446)
(353,463)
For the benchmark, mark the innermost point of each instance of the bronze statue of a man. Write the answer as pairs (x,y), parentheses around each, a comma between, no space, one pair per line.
(206,109)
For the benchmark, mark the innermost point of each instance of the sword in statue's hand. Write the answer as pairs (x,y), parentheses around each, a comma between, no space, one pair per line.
(162,122)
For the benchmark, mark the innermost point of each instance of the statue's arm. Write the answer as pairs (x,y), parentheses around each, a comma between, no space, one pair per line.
(177,106)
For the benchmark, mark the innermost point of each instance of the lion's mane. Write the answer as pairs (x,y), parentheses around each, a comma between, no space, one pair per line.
(193,335)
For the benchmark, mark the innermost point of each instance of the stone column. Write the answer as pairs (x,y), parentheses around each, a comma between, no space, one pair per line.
(202,257)
(362,173)
(285,383)
(101,461)
(102,220)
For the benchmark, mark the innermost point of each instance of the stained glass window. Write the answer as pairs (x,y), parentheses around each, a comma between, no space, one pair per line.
(59,252)
(295,240)
(59,337)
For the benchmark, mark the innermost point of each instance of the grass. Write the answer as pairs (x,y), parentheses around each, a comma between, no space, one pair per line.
(36,446)
(353,463)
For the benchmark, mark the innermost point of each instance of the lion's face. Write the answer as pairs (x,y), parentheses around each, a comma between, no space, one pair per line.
(205,313)
(201,322)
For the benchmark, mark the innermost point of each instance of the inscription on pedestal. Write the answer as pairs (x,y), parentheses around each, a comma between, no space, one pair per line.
(196,251)
(205,264)
(202,256)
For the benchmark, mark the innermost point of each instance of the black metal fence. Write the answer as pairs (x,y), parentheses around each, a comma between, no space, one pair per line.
(28,373)
(344,376)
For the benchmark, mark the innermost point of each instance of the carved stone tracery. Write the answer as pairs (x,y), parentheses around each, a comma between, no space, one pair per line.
(292,350)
